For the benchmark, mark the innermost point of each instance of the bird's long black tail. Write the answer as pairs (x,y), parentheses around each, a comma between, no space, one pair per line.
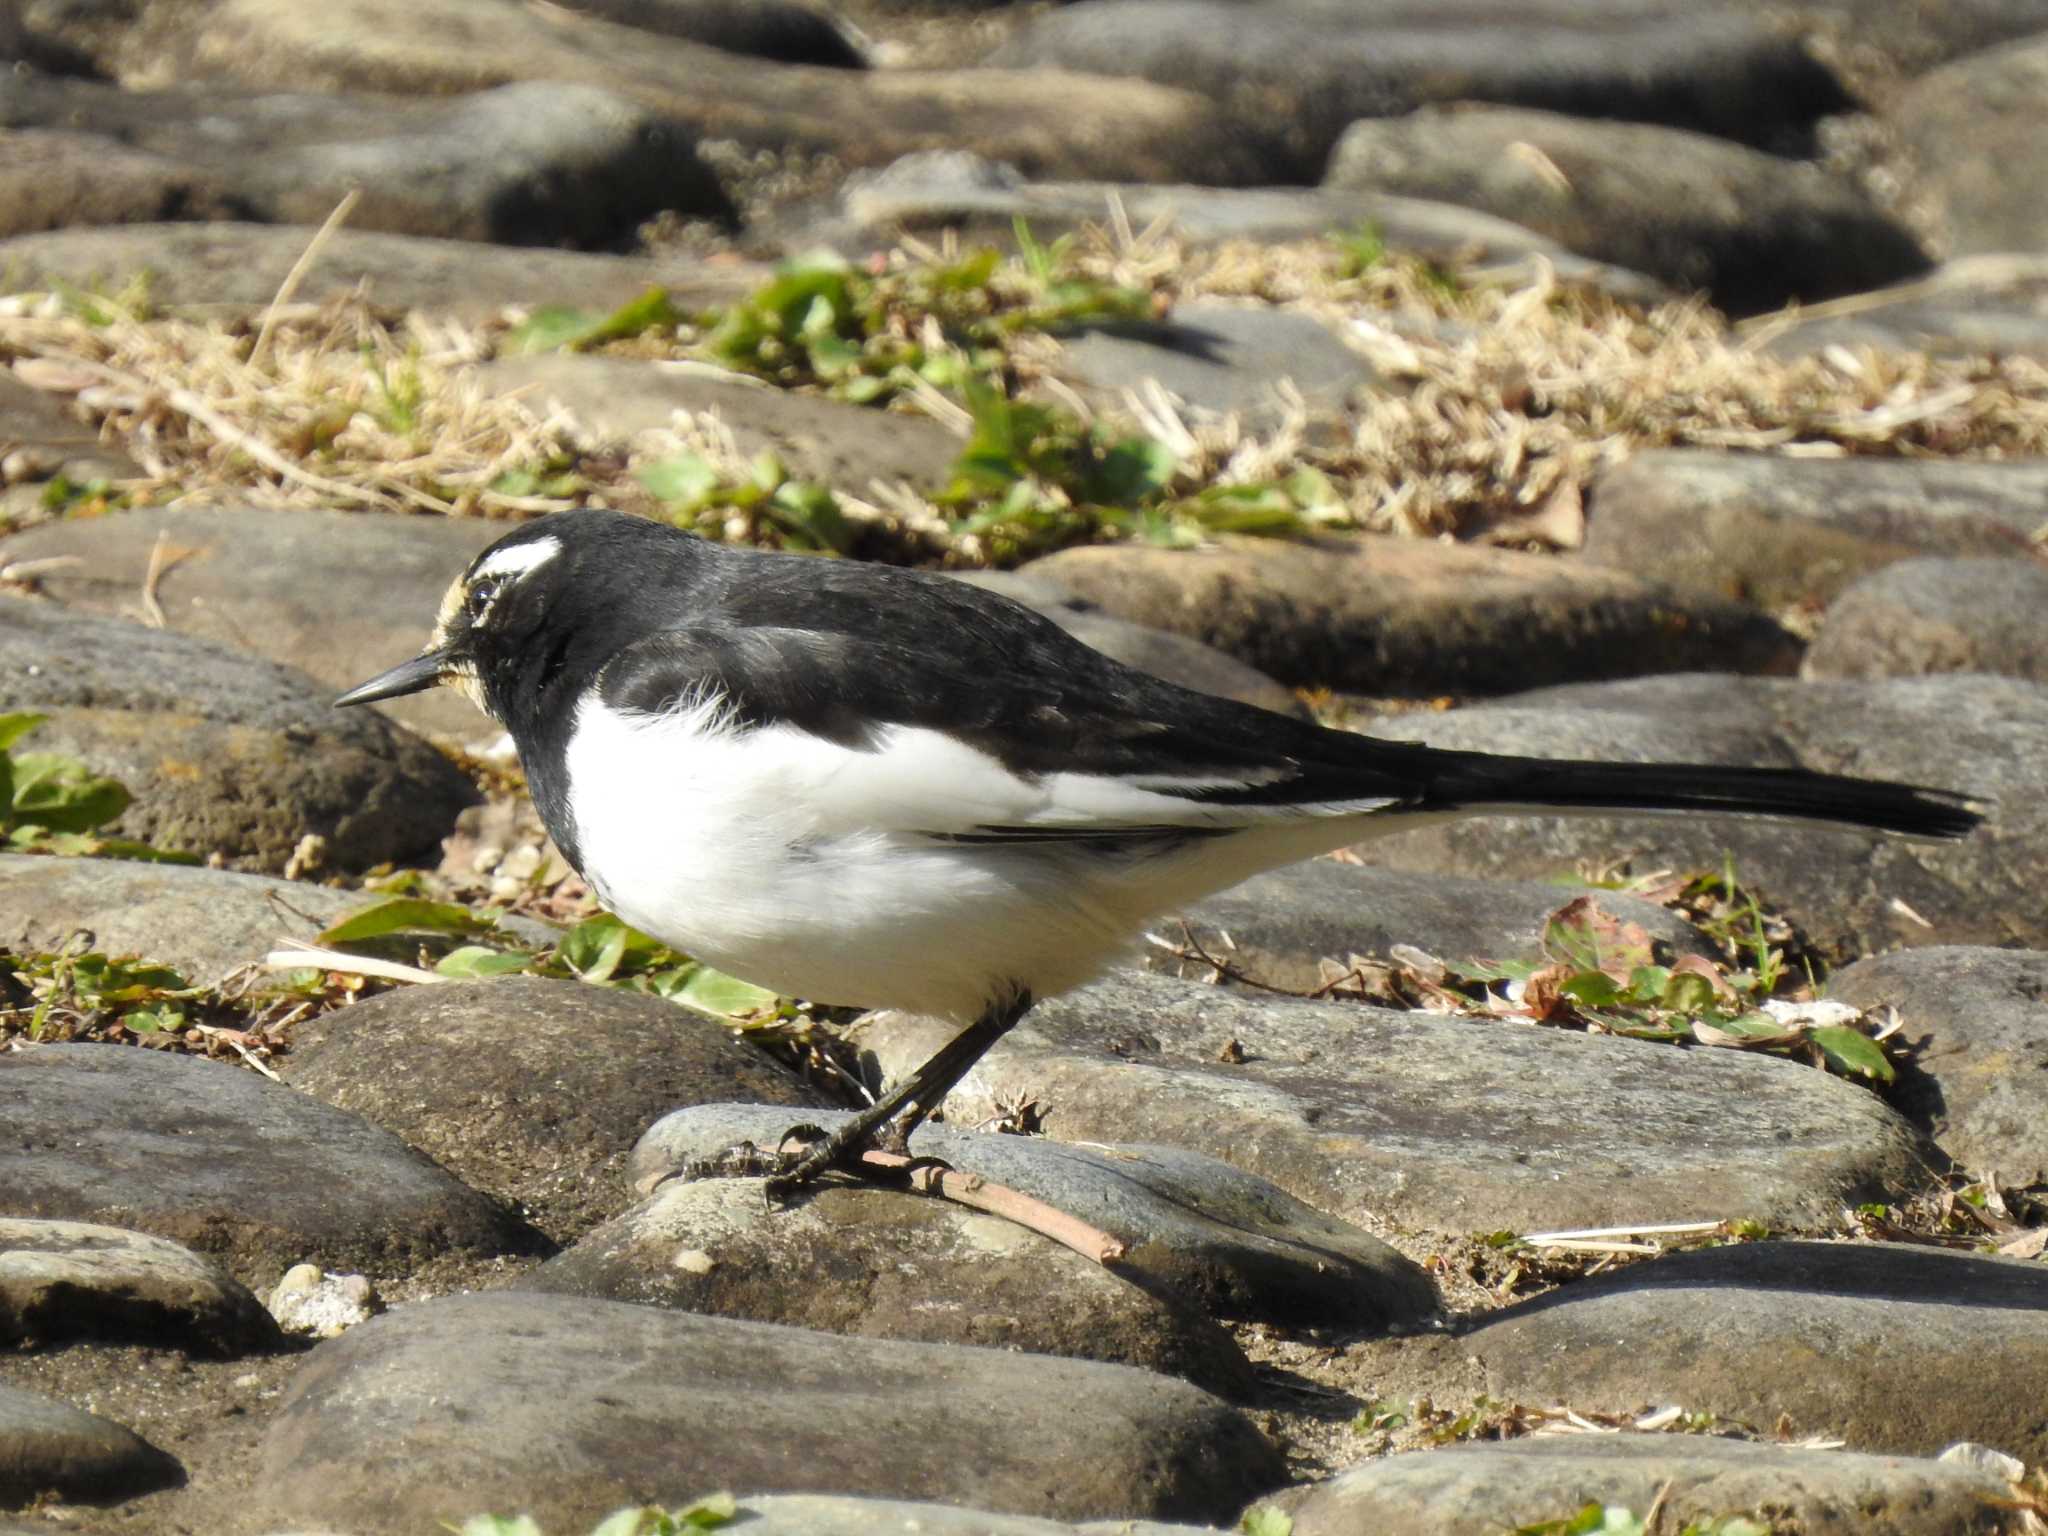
(1548,784)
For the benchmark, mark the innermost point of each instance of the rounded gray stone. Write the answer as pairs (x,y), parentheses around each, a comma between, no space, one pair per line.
(235,268)
(1851,1340)
(226,1162)
(1753,229)
(1479,1490)
(531,1090)
(1281,926)
(1219,359)
(932,191)
(1850,891)
(62,1280)
(339,595)
(1445,1124)
(1229,1241)
(1414,618)
(524,163)
(817,438)
(1927,616)
(1971,129)
(1788,533)
(888,1264)
(203,923)
(47,1447)
(557,1408)
(1979,1080)
(1317,65)
(223,752)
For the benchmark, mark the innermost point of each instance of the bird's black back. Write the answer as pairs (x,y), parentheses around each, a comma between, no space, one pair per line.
(652,617)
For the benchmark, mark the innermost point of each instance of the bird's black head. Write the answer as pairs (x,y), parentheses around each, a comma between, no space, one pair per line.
(550,597)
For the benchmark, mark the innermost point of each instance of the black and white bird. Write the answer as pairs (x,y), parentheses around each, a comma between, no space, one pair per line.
(882,788)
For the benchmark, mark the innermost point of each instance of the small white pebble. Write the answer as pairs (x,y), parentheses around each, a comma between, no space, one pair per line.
(694,1261)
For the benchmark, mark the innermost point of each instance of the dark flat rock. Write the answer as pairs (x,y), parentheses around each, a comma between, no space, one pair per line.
(63,1280)
(1048,122)
(225,1162)
(1218,359)
(338,595)
(1227,1240)
(1937,615)
(556,1407)
(523,164)
(1752,229)
(1412,618)
(1980,1083)
(888,1264)
(1969,125)
(203,923)
(1851,892)
(1795,532)
(783,31)
(1278,927)
(1480,1490)
(531,1090)
(817,438)
(1318,67)
(1851,1340)
(240,266)
(1447,1124)
(223,752)
(49,1448)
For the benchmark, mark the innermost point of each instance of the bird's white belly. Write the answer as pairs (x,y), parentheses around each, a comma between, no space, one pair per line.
(812,868)
(721,843)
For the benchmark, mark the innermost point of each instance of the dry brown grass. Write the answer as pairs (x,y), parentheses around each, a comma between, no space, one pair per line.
(1501,401)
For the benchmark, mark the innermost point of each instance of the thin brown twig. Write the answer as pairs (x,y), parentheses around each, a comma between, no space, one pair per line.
(297,274)
(971,1189)
(1655,1512)
(152,610)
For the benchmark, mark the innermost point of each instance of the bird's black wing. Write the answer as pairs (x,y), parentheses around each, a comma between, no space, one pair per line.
(844,651)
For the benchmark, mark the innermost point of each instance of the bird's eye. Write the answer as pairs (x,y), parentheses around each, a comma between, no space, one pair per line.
(481,595)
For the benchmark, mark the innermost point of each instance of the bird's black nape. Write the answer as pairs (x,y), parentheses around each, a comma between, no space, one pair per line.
(1481,781)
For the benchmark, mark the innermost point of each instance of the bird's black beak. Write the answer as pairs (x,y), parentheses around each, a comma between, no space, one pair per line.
(422,672)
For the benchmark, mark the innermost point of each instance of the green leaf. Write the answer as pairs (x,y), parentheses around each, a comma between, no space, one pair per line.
(714,992)
(59,793)
(404,914)
(1851,1052)
(1596,989)
(475,960)
(1689,993)
(812,512)
(686,478)
(500,1525)
(709,1512)
(17,725)
(593,949)
(550,328)
(1266,1521)
(556,327)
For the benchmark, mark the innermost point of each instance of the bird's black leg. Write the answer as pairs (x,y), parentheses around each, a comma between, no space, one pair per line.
(915,1097)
